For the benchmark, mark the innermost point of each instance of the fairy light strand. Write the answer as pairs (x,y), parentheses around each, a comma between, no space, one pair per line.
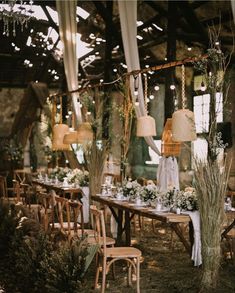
(134,73)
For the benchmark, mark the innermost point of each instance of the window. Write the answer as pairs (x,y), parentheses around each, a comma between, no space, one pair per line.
(201,106)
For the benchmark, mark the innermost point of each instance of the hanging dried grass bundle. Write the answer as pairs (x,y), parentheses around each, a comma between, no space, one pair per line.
(95,157)
(211,183)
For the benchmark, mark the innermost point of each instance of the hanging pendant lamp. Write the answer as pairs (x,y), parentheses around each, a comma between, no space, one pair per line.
(183,126)
(59,130)
(70,137)
(169,147)
(183,122)
(146,125)
(84,133)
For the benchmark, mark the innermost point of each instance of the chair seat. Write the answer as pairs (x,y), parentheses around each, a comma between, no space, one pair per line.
(122,252)
(109,241)
(65,225)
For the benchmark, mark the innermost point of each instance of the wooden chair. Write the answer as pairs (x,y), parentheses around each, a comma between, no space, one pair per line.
(45,210)
(229,233)
(28,194)
(109,255)
(3,187)
(65,217)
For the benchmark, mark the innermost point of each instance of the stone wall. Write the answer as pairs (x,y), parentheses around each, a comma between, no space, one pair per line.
(9,104)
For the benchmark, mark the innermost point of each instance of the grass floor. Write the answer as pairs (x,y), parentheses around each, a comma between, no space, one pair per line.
(166,266)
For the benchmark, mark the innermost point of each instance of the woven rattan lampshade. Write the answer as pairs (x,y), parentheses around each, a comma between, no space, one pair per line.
(146,126)
(84,132)
(70,137)
(59,130)
(169,147)
(183,126)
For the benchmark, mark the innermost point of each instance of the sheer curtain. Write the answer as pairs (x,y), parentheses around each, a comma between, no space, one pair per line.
(128,18)
(68,35)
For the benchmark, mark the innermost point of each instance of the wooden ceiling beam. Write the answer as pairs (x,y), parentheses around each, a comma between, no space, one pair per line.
(193,21)
(104,13)
(197,4)
(158,8)
(226,17)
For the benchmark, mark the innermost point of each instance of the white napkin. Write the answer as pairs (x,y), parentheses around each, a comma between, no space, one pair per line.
(85,203)
(196,250)
(113,226)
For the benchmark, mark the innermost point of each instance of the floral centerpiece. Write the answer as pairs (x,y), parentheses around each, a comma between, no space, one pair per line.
(59,173)
(131,189)
(75,176)
(168,198)
(149,193)
(186,199)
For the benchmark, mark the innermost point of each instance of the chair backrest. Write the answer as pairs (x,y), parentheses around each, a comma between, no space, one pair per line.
(44,200)
(61,211)
(3,186)
(75,209)
(17,191)
(99,227)
(19,175)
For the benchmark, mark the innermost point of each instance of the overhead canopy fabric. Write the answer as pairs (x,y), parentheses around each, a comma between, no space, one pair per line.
(68,35)
(128,19)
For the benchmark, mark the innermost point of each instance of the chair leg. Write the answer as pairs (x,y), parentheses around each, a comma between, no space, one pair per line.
(233,249)
(129,283)
(113,270)
(138,275)
(97,271)
(103,275)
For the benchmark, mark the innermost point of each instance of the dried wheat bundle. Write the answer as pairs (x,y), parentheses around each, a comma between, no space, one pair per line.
(95,158)
(211,183)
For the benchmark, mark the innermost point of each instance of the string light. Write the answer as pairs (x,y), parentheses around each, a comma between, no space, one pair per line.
(203,87)
(157,88)
(172,87)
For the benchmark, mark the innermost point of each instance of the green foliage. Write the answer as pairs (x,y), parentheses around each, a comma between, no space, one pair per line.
(31,262)
(8,224)
(65,268)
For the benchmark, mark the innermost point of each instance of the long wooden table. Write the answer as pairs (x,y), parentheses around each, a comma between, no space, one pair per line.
(118,207)
(63,190)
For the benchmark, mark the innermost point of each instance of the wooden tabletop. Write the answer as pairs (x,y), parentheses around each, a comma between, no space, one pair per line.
(145,211)
(57,187)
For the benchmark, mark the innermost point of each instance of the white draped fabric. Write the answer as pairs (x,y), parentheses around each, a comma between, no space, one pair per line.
(233,9)
(85,204)
(68,35)
(128,18)
(196,250)
(168,174)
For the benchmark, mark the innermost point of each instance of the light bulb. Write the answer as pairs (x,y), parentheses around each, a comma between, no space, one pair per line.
(147,100)
(151,97)
(137,103)
(136,93)
(203,87)
(172,87)
(156,88)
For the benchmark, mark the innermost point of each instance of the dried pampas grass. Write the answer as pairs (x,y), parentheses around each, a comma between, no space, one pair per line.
(211,184)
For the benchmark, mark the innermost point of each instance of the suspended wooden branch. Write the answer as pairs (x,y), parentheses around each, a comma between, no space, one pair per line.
(134,73)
